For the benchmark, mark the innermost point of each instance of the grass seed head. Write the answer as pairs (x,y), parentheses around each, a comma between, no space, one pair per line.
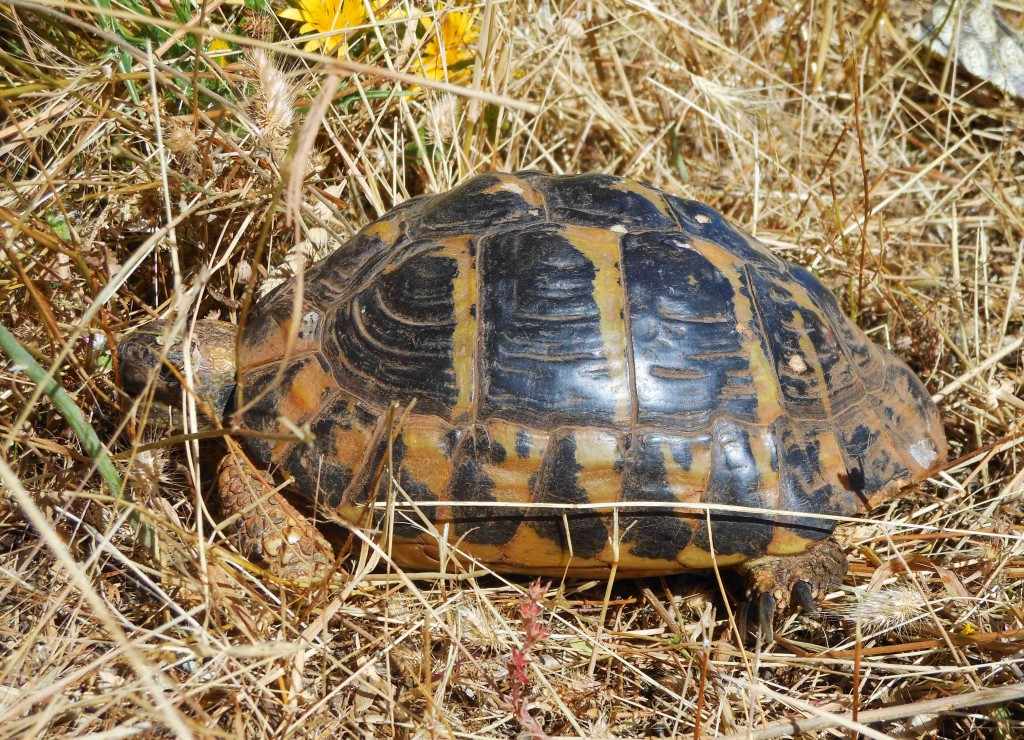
(150,473)
(272,107)
(896,607)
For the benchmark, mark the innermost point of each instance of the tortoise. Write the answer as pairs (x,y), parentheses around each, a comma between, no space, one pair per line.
(553,342)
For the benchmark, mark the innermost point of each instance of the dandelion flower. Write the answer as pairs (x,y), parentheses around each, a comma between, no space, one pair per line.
(219,50)
(447,55)
(336,18)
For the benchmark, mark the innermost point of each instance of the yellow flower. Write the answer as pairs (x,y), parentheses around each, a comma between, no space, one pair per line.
(217,51)
(333,17)
(447,55)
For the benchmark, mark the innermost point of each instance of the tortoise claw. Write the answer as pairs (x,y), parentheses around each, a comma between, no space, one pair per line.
(803,596)
(766,616)
(743,618)
(756,614)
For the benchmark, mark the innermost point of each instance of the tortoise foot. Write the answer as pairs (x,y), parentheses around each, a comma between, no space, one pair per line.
(268,530)
(776,584)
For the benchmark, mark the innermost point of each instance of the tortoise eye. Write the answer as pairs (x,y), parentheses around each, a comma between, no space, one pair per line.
(168,378)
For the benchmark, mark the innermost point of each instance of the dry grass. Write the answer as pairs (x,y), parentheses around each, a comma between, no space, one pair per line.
(139,180)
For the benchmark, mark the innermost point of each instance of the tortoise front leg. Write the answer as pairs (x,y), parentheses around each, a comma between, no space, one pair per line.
(775,582)
(268,530)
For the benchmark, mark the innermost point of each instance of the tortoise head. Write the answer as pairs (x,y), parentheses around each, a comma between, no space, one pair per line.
(152,360)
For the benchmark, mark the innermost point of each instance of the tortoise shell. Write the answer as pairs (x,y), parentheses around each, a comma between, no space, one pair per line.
(569,341)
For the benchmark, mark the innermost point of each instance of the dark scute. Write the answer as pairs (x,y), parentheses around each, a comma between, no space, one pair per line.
(864,354)
(523,443)
(803,485)
(543,354)
(362,489)
(689,358)
(859,441)
(735,481)
(922,400)
(333,279)
(718,230)
(827,326)
(346,270)
(866,450)
(264,319)
(470,209)
(803,390)
(593,200)
(407,523)
(450,441)
(318,475)
(912,419)
(481,525)
(824,300)
(653,532)
(682,449)
(557,482)
(395,337)
(478,445)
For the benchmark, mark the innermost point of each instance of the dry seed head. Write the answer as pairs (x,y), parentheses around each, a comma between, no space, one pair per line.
(243,273)
(180,139)
(296,260)
(182,142)
(600,727)
(727,99)
(328,212)
(570,28)
(149,474)
(259,26)
(319,243)
(893,608)
(275,279)
(272,108)
(444,111)
(477,628)
(693,602)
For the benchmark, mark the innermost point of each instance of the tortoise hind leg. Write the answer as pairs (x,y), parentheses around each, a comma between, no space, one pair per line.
(775,583)
(269,530)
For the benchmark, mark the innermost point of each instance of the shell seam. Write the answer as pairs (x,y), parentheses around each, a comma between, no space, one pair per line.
(627,323)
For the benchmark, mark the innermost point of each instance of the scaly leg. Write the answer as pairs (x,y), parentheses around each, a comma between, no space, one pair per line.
(269,530)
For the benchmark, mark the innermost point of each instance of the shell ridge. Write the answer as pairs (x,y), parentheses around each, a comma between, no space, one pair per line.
(536,186)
